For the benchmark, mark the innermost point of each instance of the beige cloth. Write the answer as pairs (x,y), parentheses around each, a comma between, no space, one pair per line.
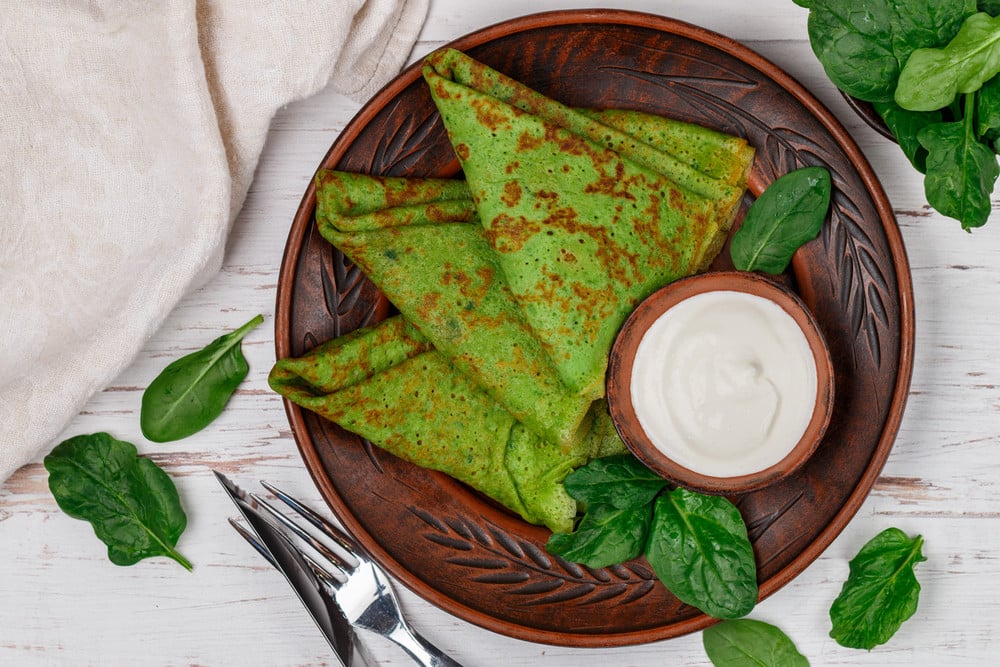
(129,133)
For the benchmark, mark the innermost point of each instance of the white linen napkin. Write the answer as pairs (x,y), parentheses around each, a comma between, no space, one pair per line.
(129,133)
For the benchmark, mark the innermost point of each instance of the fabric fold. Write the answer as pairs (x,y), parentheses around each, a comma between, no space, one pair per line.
(135,130)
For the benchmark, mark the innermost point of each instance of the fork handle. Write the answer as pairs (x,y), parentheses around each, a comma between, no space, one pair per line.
(420,649)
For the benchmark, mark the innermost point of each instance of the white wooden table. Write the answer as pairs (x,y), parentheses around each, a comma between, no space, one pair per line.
(63,603)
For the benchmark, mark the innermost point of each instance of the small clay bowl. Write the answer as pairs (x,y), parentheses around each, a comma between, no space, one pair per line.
(620,371)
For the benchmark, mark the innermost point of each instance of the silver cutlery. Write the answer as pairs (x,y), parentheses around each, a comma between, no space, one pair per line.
(336,580)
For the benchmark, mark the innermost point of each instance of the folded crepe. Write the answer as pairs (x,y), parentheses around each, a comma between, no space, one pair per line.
(721,156)
(359,202)
(444,278)
(586,220)
(386,384)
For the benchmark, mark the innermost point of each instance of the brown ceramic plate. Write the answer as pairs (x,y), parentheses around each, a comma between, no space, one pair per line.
(479,562)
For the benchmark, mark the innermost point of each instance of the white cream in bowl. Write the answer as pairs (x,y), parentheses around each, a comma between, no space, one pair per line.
(724,383)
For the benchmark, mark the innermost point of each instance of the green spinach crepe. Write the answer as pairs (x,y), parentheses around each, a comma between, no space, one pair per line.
(443,277)
(583,218)
(385,383)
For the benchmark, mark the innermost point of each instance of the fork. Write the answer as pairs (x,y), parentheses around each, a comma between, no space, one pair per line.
(347,574)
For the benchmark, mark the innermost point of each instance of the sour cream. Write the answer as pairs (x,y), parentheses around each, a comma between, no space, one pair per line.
(724,383)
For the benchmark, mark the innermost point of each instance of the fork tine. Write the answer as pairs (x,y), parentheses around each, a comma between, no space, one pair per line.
(331,531)
(335,559)
(253,540)
(321,572)
(365,598)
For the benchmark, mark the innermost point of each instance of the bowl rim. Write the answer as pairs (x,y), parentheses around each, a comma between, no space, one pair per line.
(621,364)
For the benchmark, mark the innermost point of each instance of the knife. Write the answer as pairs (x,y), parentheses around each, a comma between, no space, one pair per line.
(289,561)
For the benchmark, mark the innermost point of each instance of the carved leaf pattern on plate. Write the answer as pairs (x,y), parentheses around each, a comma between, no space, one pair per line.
(760,524)
(343,284)
(404,143)
(346,298)
(519,567)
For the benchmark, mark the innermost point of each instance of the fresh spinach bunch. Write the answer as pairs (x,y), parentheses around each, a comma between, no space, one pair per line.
(748,643)
(697,544)
(132,503)
(863,46)
(881,591)
(192,391)
(930,69)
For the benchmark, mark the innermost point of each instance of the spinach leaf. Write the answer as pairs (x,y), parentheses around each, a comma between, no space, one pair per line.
(619,481)
(131,503)
(961,171)
(880,593)
(905,126)
(618,492)
(862,44)
(932,77)
(698,547)
(991,7)
(749,643)
(606,536)
(853,41)
(787,214)
(192,391)
(926,23)
(988,107)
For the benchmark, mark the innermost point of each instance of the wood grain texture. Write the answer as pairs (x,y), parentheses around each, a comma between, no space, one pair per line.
(65,604)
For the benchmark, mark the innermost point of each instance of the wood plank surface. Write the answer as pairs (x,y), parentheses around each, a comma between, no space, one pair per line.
(64,603)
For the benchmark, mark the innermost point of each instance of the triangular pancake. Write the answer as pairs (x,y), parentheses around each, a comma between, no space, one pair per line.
(455,66)
(444,279)
(414,404)
(582,232)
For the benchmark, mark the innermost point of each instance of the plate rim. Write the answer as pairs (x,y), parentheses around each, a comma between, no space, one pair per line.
(298,234)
